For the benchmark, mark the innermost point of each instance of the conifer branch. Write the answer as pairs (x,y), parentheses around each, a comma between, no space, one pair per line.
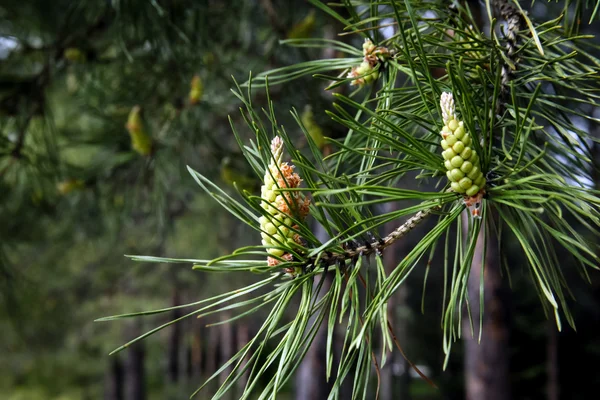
(378,246)
(511,14)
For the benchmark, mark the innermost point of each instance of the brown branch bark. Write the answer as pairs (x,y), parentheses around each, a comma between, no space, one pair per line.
(378,246)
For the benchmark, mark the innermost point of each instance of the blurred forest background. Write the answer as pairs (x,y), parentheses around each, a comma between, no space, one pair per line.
(102,106)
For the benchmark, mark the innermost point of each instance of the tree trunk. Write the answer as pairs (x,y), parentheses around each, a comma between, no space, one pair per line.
(552,389)
(226,347)
(486,363)
(212,351)
(135,385)
(243,337)
(196,350)
(113,380)
(395,377)
(310,377)
(174,340)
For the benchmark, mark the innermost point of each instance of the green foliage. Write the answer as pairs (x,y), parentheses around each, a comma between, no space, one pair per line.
(522,96)
(77,193)
(525,87)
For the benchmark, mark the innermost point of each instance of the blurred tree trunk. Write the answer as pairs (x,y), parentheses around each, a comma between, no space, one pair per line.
(196,350)
(212,351)
(310,378)
(395,387)
(113,380)
(243,337)
(135,382)
(553,386)
(174,339)
(187,343)
(189,361)
(486,363)
(226,348)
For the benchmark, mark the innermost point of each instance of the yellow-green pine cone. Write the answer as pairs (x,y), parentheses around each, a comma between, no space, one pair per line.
(140,141)
(69,185)
(368,47)
(460,159)
(141,144)
(364,74)
(74,55)
(313,129)
(367,72)
(196,90)
(281,205)
(304,28)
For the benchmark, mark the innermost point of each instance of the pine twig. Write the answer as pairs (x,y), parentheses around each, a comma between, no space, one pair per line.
(511,14)
(375,246)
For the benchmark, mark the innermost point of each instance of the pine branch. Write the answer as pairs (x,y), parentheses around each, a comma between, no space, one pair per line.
(393,131)
(511,14)
(375,246)
(33,91)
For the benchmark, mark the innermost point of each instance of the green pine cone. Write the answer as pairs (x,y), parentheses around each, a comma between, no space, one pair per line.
(276,228)
(461,161)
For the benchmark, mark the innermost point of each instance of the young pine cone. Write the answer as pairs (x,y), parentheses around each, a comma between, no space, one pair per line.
(281,205)
(196,90)
(461,161)
(141,142)
(366,72)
